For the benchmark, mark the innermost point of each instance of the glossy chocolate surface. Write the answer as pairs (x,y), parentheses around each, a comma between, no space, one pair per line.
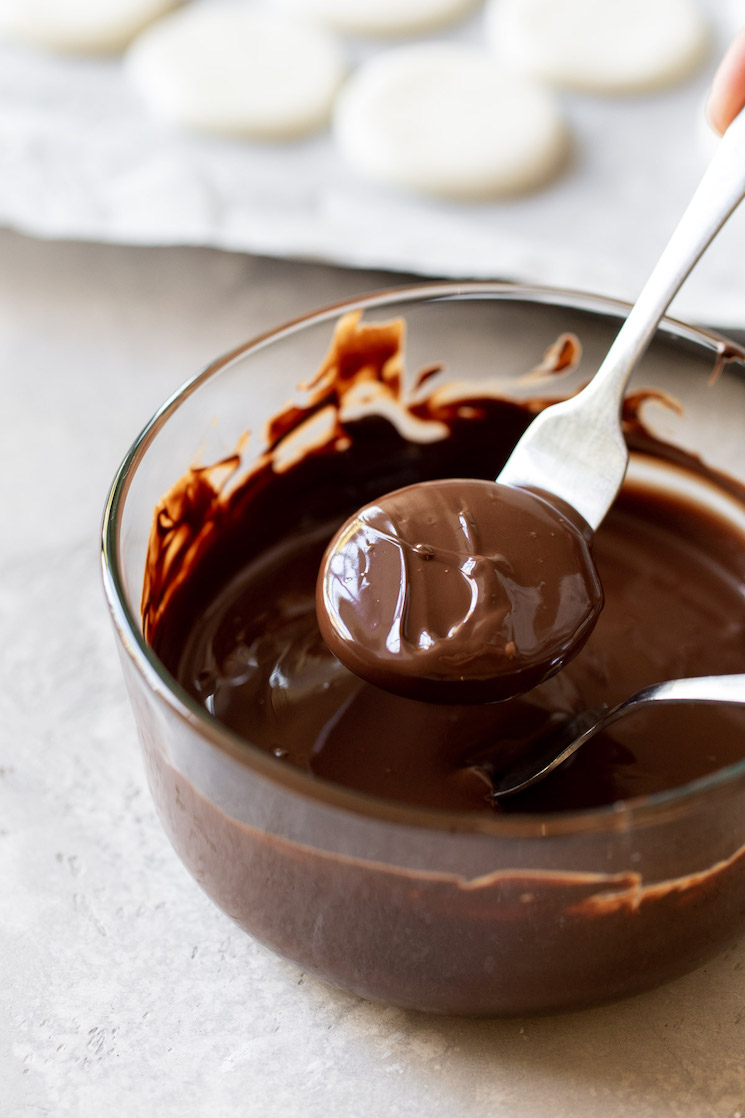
(237,626)
(458,590)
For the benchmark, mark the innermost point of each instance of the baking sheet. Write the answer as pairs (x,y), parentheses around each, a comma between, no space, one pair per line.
(82,158)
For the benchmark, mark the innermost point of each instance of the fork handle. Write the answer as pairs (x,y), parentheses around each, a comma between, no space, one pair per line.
(718,194)
(699,689)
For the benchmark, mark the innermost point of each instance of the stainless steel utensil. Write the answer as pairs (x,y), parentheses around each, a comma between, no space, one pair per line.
(575,449)
(560,743)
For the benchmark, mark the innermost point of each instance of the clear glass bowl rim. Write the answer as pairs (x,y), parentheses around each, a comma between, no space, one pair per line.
(639,812)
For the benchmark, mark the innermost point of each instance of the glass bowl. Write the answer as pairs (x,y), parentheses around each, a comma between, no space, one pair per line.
(452,913)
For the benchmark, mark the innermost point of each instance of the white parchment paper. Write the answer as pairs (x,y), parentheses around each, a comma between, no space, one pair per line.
(80,157)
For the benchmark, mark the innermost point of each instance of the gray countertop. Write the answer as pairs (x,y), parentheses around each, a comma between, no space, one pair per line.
(122,989)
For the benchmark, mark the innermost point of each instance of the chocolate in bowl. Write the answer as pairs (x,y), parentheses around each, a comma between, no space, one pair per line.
(442,909)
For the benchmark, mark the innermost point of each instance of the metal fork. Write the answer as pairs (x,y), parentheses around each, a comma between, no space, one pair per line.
(575,732)
(575,449)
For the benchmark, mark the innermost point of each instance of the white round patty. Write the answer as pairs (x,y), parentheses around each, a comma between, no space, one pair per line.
(236,70)
(442,119)
(79,26)
(600,46)
(384,17)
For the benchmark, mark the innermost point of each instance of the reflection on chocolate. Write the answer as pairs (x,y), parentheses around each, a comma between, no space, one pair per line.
(229,603)
(458,590)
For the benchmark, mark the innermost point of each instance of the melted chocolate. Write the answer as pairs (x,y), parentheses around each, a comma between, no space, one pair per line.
(458,591)
(229,606)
